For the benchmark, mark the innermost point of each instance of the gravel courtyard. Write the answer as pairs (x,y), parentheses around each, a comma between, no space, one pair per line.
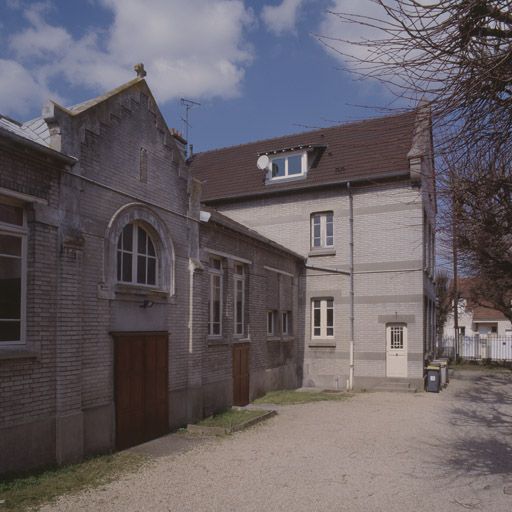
(374,452)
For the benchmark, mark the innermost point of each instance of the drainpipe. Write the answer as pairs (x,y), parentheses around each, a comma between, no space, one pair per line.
(191,268)
(351,244)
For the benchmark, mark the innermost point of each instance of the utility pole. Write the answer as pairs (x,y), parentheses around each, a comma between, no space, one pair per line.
(455,272)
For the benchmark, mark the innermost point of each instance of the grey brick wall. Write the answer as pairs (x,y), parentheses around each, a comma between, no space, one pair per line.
(389,277)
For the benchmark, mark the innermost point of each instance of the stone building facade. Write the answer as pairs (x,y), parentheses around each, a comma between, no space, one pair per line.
(140,291)
(111,286)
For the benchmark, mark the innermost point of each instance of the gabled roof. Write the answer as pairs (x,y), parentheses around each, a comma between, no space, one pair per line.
(37,130)
(483,314)
(85,105)
(482,310)
(373,149)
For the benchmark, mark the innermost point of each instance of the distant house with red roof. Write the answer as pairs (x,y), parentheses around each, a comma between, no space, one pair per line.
(476,316)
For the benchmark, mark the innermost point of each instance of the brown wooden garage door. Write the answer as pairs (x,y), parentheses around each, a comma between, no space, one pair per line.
(241,374)
(140,368)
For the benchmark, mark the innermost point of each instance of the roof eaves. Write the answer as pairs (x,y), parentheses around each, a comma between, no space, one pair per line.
(395,175)
(38,147)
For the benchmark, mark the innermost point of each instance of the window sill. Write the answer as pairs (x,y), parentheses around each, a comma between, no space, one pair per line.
(322,252)
(322,343)
(241,340)
(212,342)
(283,339)
(141,291)
(17,353)
(287,179)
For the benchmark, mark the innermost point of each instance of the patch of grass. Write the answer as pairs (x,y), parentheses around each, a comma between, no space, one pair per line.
(231,418)
(291,397)
(34,489)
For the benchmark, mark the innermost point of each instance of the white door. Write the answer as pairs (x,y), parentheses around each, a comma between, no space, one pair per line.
(396,350)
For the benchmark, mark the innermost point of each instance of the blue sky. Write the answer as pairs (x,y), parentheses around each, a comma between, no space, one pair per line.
(255,66)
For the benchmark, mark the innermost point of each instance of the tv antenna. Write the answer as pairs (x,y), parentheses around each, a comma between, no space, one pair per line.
(188,104)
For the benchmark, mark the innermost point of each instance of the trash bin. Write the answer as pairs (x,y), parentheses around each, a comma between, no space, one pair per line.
(446,361)
(443,367)
(433,379)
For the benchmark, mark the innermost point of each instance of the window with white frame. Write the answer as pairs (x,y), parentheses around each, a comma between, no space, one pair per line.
(215,298)
(13,255)
(239,278)
(322,230)
(396,337)
(322,314)
(288,165)
(271,323)
(137,260)
(286,322)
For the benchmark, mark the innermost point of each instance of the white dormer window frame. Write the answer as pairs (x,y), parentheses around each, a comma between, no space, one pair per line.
(289,167)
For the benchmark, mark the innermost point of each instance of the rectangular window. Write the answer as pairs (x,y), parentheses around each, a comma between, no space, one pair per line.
(397,337)
(285,323)
(271,323)
(12,274)
(322,230)
(215,298)
(239,277)
(322,314)
(287,166)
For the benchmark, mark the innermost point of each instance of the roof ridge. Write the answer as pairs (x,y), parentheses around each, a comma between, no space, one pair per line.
(78,108)
(307,132)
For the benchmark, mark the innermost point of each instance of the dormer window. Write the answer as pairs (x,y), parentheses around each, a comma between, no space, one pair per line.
(288,165)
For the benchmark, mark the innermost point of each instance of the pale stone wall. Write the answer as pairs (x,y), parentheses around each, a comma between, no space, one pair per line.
(388,263)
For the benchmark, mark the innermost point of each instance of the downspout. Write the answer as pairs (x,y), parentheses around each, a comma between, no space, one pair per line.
(351,244)
(191,270)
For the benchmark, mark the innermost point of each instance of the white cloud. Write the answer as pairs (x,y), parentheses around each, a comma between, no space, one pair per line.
(189,47)
(283,17)
(337,35)
(18,89)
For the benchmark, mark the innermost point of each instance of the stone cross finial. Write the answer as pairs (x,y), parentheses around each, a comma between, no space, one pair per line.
(139,69)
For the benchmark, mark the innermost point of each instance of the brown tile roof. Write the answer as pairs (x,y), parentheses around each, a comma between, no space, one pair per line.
(481,314)
(468,287)
(374,149)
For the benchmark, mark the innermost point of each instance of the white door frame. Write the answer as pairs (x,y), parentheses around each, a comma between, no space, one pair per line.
(396,350)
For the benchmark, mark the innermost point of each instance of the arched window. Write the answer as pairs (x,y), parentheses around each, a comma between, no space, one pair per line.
(137,260)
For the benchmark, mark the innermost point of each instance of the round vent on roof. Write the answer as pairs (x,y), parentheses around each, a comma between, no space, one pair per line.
(263,162)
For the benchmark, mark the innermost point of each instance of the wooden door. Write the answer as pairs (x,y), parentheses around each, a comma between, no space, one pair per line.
(396,350)
(140,387)
(241,374)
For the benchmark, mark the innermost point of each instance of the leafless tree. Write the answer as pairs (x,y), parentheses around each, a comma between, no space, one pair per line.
(458,55)
(455,53)
(482,192)
(443,300)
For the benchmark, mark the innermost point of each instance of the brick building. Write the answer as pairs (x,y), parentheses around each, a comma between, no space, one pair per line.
(116,324)
(140,291)
(358,201)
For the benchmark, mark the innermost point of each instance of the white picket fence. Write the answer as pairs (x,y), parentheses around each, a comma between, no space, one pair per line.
(493,347)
